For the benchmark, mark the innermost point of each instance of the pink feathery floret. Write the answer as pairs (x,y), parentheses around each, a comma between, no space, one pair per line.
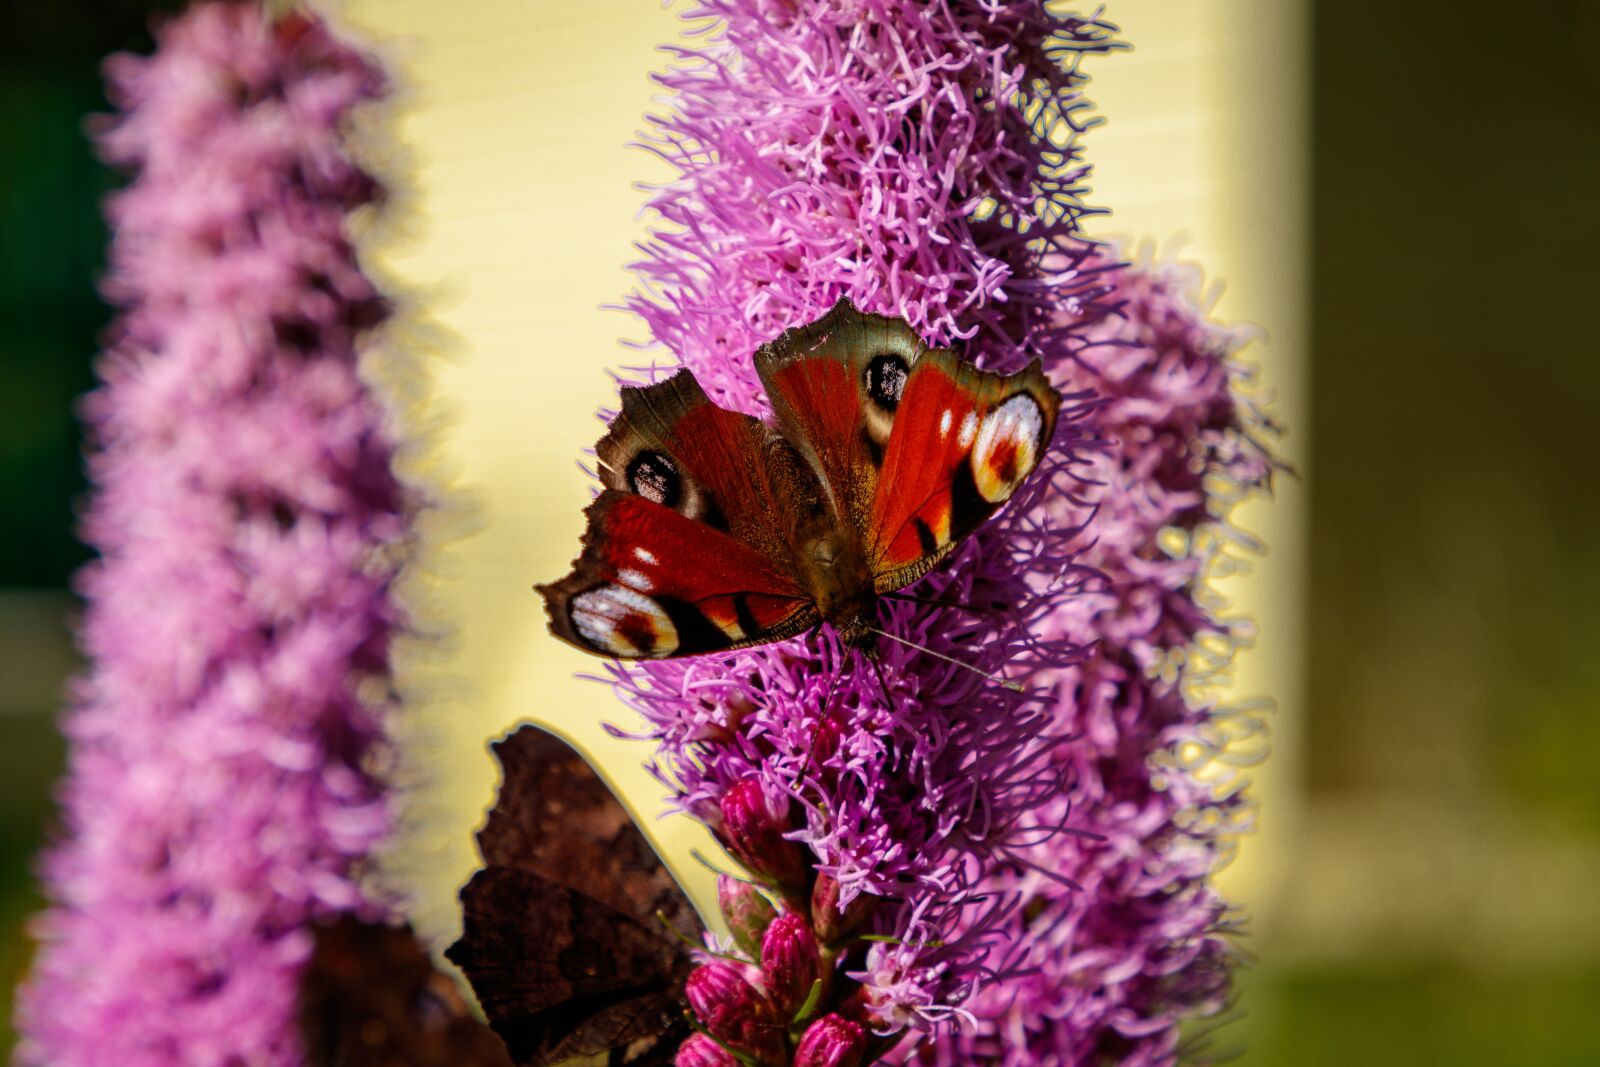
(921,159)
(1107,970)
(220,791)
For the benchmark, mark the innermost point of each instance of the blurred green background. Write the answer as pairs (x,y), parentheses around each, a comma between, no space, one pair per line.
(1444,909)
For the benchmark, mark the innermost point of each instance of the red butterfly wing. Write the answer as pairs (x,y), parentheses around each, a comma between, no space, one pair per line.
(670,444)
(652,583)
(834,386)
(963,441)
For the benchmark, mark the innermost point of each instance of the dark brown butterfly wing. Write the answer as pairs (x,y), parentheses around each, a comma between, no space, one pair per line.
(560,935)
(371,997)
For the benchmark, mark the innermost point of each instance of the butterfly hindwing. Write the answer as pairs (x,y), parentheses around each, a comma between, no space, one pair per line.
(561,938)
(963,441)
(652,582)
(370,996)
(561,974)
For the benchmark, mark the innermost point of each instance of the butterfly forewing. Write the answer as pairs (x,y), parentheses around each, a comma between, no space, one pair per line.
(670,444)
(963,441)
(561,938)
(555,817)
(835,386)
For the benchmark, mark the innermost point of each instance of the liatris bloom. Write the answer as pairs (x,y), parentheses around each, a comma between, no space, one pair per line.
(920,159)
(791,963)
(831,1041)
(734,1012)
(220,791)
(1110,969)
(702,1051)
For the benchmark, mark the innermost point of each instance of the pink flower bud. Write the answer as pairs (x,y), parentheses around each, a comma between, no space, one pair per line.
(790,963)
(832,1041)
(701,1051)
(748,912)
(832,924)
(753,832)
(734,1012)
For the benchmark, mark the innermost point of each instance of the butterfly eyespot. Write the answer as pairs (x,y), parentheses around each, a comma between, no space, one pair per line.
(885,378)
(655,477)
(1007,447)
(618,621)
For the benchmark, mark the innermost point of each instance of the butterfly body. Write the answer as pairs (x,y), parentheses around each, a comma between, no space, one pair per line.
(717,530)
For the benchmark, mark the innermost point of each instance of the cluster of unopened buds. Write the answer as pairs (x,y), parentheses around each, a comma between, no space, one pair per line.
(787,1000)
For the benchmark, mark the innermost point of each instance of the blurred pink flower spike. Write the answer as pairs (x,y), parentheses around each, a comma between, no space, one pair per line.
(220,791)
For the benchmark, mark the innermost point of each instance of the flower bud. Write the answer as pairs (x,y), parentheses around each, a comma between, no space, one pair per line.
(701,1051)
(790,963)
(832,1041)
(734,1012)
(834,925)
(753,832)
(748,912)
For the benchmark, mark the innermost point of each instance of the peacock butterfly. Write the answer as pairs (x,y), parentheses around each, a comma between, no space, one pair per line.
(717,530)
(574,935)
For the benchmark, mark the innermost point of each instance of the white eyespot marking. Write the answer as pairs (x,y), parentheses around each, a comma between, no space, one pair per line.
(636,580)
(969,429)
(645,555)
(623,622)
(1007,448)
(944,423)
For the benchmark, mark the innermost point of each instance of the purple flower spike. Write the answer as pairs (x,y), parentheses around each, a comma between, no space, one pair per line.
(791,963)
(220,792)
(831,1041)
(732,1010)
(702,1051)
(920,159)
(753,830)
(1109,969)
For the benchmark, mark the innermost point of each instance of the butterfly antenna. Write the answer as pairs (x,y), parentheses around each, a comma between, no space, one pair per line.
(1015,687)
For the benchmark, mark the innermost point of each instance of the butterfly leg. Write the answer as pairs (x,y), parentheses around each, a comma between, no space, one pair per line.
(816,733)
(883,683)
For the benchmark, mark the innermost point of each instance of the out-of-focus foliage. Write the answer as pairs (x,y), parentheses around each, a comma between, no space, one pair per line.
(51,242)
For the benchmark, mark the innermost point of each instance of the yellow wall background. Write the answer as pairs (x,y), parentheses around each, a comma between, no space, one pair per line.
(518,215)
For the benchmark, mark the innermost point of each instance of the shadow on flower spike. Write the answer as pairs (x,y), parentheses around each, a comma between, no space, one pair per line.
(560,933)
